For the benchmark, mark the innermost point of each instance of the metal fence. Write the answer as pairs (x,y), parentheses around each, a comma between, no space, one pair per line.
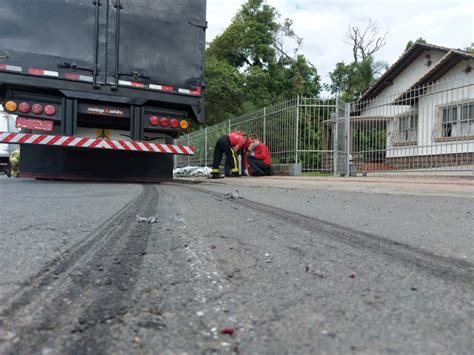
(428,127)
(296,131)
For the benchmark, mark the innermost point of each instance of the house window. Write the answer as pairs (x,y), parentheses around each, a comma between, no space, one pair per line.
(457,120)
(407,128)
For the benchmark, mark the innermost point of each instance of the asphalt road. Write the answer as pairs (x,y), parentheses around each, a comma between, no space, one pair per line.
(81,275)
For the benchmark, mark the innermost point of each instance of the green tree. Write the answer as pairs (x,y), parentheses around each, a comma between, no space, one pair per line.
(224,90)
(351,81)
(254,47)
(411,43)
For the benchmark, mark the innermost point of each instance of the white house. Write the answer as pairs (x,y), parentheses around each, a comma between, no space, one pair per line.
(425,105)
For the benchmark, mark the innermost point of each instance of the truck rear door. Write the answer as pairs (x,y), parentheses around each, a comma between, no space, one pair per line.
(157,42)
(52,35)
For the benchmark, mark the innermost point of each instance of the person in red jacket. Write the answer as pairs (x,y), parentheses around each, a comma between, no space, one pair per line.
(229,145)
(258,161)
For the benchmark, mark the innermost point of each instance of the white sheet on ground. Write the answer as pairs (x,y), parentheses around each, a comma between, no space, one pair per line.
(192,171)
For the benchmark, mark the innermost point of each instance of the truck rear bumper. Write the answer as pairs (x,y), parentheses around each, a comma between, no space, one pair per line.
(59,163)
(91,143)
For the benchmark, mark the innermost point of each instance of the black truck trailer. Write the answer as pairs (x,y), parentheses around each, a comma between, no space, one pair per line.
(101,88)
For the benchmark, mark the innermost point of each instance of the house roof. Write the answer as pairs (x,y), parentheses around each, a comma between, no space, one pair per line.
(450,59)
(399,66)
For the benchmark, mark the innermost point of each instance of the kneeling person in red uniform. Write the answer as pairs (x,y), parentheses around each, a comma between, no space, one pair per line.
(258,161)
(229,145)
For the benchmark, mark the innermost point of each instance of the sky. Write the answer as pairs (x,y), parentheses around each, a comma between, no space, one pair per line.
(323,24)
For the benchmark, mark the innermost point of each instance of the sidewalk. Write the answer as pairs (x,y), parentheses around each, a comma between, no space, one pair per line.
(415,185)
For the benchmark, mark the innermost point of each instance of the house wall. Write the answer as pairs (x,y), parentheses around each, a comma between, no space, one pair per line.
(455,87)
(382,105)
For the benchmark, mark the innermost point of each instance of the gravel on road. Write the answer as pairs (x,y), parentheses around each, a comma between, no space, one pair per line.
(218,275)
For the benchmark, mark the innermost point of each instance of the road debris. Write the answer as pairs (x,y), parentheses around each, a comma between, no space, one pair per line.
(6,335)
(149,220)
(228,331)
(353,275)
(233,195)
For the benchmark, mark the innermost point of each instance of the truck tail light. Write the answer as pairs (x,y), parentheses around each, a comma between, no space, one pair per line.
(164,122)
(11,106)
(184,124)
(24,107)
(50,110)
(154,121)
(174,123)
(37,109)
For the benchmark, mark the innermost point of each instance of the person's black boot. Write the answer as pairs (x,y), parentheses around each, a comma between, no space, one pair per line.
(216,176)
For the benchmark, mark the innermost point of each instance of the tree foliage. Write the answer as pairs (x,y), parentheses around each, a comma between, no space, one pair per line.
(411,43)
(350,81)
(249,66)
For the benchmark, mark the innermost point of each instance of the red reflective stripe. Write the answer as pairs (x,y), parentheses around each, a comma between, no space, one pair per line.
(3,67)
(192,148)
(10,137)
(158,146)
(148,146)
(72,76)
(125,146)
(35,71)
(39,139)
(137,146)
(167,88)
(111,143)
(137,85)
(172,148)
(179,150)
(25,138)
(67,141)
(95,143)
(54,140)
(82,142)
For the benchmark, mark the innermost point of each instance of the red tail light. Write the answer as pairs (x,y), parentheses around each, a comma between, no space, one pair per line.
(37,109)
(24,107)
(154,121)
(174,123)
(50,110)
(164,122)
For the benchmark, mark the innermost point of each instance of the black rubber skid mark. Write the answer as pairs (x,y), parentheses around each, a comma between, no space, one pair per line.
(110,296)
(448,268)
